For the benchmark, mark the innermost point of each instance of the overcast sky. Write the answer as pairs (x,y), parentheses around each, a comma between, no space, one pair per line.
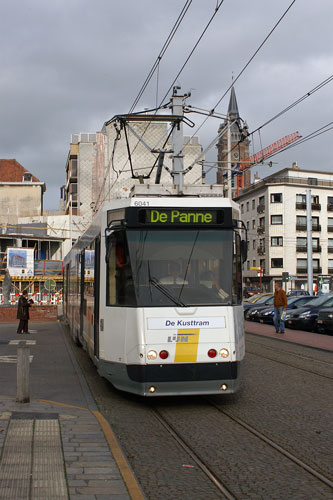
(67,66)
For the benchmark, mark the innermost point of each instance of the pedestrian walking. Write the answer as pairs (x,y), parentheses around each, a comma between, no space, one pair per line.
(23,312)
(280,306)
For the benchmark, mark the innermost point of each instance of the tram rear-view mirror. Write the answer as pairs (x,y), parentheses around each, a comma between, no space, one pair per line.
(244,246)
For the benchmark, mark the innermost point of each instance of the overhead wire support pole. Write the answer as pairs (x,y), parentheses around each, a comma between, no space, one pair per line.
(177,142)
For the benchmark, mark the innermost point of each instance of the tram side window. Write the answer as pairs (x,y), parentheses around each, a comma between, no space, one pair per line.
(237,271)
(89,264)
(120,288)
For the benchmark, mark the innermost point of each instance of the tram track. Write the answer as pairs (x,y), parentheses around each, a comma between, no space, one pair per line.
(195,457)
(296,356)
(207,454)
(292,366)
(276,446)
(206,468)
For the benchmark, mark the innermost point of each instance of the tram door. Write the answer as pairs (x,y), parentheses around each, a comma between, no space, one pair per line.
(82,308)
(96,294)
(66,290)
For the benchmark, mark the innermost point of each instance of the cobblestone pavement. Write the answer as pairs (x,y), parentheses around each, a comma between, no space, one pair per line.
(159,463)
(91,473)
(53,449)
(290,405)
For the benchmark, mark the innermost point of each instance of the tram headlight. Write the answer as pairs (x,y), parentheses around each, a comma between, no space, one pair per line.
(224,387)
(151,355)
(224,353)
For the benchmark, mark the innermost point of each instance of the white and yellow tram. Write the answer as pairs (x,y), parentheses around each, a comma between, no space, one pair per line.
(153,292)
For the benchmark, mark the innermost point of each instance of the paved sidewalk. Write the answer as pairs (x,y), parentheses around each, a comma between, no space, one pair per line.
(58,445)
(316,340)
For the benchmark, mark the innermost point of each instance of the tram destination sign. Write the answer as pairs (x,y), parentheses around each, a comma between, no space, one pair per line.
(184,217)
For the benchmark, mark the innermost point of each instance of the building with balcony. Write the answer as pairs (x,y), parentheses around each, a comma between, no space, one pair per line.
(274,212)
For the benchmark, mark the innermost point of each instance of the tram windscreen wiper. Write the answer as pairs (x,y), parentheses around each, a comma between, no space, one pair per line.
(166,292)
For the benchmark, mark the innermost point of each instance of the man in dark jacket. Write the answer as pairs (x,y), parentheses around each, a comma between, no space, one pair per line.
(23,312)
(280,306)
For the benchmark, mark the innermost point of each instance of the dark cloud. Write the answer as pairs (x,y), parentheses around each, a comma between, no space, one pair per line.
(68,66)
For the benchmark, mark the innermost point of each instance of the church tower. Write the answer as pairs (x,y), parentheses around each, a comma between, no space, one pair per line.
(239,147)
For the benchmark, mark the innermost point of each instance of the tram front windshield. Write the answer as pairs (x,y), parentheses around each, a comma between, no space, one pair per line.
(175,268)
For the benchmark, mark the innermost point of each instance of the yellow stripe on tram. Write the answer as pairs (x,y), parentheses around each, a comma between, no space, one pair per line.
(187,345)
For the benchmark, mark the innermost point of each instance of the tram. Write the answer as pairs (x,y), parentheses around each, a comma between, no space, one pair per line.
(153,292)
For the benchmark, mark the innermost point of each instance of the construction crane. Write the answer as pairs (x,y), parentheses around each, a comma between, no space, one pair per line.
(262,155)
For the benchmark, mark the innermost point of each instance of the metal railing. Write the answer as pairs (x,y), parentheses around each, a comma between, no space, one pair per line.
(303,248)
(304,270)
(302,227)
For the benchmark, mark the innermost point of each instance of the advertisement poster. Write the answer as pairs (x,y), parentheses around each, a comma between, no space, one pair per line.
(20,261)
(89,263)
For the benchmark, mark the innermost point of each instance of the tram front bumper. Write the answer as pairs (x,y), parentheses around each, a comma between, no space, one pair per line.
(173,379)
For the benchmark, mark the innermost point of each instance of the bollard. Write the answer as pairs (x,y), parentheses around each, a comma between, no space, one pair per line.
(22,380)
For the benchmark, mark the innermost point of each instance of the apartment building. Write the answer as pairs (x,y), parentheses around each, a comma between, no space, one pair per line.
(274,212)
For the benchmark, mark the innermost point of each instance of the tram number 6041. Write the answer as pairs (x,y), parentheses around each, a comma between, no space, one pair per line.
(141,203)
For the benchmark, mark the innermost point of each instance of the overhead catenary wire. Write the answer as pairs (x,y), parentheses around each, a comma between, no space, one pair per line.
(155,66)
(238,76)
(295,103)
(162,52)
(308,137)
(212,112)
(255,53)
(157,63)
(299,141)
(218,5)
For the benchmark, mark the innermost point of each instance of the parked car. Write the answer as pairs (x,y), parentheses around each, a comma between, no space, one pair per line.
(265,300)
(298,293)
(255,298)
(325,321)
(266,315)
(305,318)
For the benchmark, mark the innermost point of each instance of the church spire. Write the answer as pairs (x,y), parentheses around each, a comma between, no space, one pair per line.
(233,107)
